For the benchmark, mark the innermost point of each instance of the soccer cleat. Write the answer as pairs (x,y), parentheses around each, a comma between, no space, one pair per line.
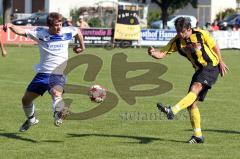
(196,140)
(27,124)
(166,110)
(59,116)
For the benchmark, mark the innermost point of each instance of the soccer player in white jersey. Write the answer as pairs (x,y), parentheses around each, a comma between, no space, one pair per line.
(53,45)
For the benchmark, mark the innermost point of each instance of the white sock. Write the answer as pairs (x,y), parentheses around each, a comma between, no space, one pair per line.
(29,112)
(57,104)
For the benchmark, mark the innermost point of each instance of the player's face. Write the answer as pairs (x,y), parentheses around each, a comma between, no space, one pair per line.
(56,27)
(184,34)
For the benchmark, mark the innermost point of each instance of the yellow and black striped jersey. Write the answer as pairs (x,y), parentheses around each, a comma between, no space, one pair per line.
(198,48)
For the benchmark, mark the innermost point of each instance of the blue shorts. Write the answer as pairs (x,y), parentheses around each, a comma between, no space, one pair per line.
(43,82)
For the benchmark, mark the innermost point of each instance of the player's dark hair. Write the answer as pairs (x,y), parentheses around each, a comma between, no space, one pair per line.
(182,23)
(54,16)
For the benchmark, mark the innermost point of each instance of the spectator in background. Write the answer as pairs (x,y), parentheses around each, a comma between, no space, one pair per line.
(236,27)
(67,22)
(207,26)
(197,25)
(81,23)
(214,25)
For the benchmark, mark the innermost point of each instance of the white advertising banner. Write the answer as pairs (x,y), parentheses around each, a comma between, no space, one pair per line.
(152,37)
(227,39)
(149,37)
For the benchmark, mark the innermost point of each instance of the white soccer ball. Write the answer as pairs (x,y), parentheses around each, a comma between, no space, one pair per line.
(97,93)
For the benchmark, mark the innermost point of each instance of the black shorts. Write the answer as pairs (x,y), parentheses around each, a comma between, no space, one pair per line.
(207,76)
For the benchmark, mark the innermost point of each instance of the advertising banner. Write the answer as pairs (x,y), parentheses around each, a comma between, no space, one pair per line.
(227,39)
(149,37)
(10,38)
(154,37)
(127,26)
(92,36)
(97,36)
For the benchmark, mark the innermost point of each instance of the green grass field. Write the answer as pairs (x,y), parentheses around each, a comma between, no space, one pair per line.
(127,131)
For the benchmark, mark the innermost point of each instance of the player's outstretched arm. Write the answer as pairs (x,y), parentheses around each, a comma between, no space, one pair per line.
(16,29)
(222,66)
(81,47)
(156,54)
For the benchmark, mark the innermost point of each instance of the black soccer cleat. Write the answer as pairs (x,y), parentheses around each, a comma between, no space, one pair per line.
(166,110)
(27,124)
(196,140)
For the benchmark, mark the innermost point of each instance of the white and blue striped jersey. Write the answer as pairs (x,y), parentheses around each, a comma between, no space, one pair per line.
(53,48)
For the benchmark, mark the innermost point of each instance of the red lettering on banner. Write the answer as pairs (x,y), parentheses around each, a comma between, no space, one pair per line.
(10,38)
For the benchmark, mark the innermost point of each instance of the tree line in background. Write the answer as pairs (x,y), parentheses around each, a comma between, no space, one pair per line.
(7,11)
(167,7)
(221,15)
(95,16)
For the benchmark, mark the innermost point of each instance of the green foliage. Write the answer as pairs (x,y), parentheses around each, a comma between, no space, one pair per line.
(94,22)
(74,13)
(229,11)
(175,4)
(153,16)
(1,20)
(169,6)
(103,17)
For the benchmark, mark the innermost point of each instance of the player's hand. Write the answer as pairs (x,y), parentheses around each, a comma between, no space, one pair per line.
(156,54)
(223,68)
(77,49)
(6,26)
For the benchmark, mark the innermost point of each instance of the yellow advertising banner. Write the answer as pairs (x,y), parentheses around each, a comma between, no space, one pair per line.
(127,32)
(127,26)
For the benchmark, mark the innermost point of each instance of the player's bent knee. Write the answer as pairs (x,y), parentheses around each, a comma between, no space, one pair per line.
(193,106)
(196,88)
(56,92)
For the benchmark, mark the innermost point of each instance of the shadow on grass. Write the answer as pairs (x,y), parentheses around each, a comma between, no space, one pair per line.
(222,131)
(17,137)
(52,141)
(219,131)
(141,139)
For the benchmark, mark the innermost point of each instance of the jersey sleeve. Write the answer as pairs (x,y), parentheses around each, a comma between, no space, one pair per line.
(33,33)
(74,30)
(208,39)
(171,46)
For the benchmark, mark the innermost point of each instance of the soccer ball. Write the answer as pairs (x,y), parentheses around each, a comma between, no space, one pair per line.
(97,93)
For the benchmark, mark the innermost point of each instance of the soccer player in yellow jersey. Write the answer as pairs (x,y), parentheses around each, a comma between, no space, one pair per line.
(204,54)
